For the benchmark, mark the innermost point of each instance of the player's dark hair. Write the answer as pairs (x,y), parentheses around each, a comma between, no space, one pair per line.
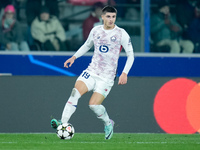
(110,9)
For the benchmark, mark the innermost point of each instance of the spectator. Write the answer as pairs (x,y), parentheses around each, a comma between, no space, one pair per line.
(133,13)
(189,12)
(32,11)
(11,36)
(48,32)
(93,20)
(165,31)
(121,10)
(3,4)
(193,30)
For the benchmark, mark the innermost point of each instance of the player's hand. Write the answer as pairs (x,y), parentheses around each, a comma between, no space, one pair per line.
(123,79)
(69,61)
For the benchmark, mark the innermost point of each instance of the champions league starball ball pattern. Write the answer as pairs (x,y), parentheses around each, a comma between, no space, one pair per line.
(65,131)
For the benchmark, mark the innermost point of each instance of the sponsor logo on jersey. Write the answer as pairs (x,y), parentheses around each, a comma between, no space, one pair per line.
(103,48)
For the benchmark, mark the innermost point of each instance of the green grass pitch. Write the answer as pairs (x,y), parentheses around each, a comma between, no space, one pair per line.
(93,141)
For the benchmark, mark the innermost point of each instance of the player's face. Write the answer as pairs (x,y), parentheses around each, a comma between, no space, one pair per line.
(109,20)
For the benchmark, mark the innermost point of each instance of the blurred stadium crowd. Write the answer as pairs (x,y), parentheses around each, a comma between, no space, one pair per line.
(63,25)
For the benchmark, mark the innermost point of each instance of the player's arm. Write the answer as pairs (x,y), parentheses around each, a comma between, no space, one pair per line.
(81,51)
(126,43)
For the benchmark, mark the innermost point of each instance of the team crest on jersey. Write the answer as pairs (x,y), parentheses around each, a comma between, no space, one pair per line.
(113,38)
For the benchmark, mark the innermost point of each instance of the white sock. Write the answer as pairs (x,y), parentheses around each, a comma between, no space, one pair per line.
(70,106)
(101,113)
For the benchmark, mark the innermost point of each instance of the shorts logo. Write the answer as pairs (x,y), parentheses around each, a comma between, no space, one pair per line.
(113,38)
(103,48)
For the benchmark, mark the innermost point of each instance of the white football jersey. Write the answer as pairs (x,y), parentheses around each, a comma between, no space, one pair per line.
(107,47)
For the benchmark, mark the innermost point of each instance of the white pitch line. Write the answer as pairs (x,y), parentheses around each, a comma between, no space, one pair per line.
(8,142)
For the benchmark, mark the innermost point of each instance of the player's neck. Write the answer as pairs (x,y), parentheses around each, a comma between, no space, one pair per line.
(109,27)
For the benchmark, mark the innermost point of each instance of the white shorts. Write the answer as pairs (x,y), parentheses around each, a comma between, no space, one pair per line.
(95,83)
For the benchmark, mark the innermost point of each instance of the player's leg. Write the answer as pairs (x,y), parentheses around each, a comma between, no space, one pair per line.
(70,107)
(83,84)
(100,111)
(79,89)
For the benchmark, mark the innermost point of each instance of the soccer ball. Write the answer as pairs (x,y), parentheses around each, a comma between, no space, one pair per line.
(65,131)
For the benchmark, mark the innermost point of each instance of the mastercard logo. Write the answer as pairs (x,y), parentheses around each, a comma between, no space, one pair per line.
(177,106)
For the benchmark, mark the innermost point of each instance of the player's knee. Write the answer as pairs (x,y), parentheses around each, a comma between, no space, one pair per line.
(97,108)
(75,93)
(74,97)
(92,107)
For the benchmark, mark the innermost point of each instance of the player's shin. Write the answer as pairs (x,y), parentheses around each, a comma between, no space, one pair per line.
(70,106)
(101,113)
